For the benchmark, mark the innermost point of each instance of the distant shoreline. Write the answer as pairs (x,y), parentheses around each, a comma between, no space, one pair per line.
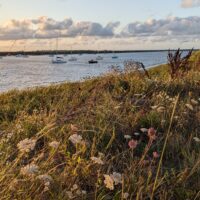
(48,52)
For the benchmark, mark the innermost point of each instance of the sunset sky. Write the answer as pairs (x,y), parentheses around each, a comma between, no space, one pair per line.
(99,24)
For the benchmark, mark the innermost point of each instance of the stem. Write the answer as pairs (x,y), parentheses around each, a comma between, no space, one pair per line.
(164,147)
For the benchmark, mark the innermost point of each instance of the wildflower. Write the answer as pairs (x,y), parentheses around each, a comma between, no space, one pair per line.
(74,128)
(154,107)
(196,139)
(133,144)
(125,195)
(84,192)
(144,130)
(97,160)
(189,106)
(70,194)
(163,121)
(30,169)
(9,135)
(117,178)
(161,109)
(152,134)
(54,144)
(45,178)
(136,134)
(109,183)
(75,139)
(194,102)
(47,185)
(47,181)
(78,192)
(127,136)
(155,154)
(74,187)
(26,145)
(101,155)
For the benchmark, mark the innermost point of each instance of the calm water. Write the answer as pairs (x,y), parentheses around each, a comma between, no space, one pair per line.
(21,73)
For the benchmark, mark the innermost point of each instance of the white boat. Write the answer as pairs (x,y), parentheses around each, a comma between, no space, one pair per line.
(58,60)
(72,59)
(114,57)
(21,56)
(99,58)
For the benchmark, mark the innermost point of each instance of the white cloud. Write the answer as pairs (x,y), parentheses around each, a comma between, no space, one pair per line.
(170,27)
(190,3)
(44,27)
(158,33)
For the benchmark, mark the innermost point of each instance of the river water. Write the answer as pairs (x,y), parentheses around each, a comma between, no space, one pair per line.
(20,73)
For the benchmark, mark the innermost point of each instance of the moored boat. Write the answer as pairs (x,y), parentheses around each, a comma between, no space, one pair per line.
(92,61)
(99,58)
(58,60)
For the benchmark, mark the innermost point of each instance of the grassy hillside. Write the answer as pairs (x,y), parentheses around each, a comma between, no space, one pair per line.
(120,136)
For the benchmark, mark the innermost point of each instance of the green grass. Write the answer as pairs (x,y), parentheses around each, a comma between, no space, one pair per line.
(102,110)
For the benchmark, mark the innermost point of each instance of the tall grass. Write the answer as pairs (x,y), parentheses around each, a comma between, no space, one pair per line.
(120,136)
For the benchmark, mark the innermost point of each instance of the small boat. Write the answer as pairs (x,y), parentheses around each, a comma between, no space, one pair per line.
(72,59)
(58,60)
(99,58)
(114,57)
(21,56)
(92,61)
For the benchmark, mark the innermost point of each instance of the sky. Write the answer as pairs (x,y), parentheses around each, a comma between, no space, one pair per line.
(99,24)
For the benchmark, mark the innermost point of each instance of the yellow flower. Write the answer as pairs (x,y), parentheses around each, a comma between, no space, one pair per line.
(109,183)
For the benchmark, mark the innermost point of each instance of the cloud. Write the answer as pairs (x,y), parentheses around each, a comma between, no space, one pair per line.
(159,30)
(169,27)
(190,3)
(44,27)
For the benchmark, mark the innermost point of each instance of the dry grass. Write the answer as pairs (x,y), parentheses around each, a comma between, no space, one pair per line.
(163,163)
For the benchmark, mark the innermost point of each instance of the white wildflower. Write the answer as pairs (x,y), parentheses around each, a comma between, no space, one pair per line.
(125,195)
(78,192)
(117,178)
(144,130)
(45,177)
(74,187)
(136,134)
(9,135)
(163,121)
(127,137)
(26,145)
(109,182)
(101,155)
(194,102)
(47,181)
(70,194)
(84,192)
(189,106)
(196,139)
(154,107)
(30,169)
(54,144)
(75,139)
(97,160)
(161,109)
